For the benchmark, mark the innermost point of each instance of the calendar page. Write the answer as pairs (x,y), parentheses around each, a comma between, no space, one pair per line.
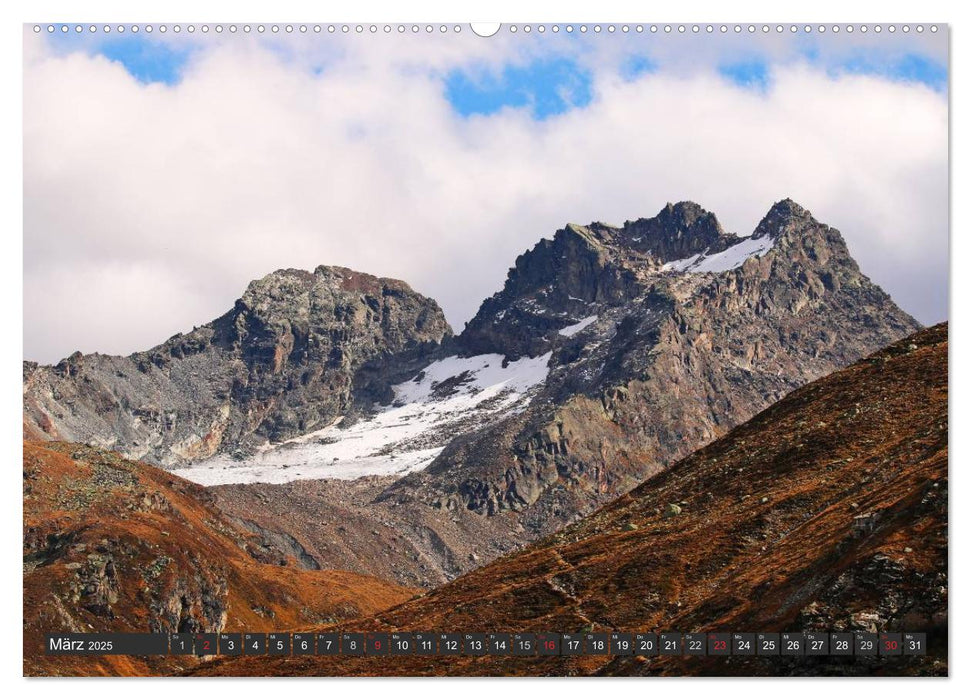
(449,349)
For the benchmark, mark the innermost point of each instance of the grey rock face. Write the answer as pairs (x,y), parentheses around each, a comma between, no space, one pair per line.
(298,350)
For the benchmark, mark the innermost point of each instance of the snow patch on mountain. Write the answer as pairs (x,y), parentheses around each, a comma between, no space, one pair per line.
(451,396)
(728,259)
(571,331)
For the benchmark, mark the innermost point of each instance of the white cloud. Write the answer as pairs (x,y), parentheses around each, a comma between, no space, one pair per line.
(148,208)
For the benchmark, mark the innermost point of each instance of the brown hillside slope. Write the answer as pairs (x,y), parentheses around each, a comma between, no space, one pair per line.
(112,545)
(765,541)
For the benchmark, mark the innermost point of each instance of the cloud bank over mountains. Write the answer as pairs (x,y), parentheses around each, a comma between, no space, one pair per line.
(161,175)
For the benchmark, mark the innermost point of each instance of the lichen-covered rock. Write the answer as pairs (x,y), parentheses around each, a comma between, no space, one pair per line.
(672,510)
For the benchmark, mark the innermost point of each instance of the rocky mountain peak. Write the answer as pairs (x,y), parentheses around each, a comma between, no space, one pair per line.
(297,350)
(288,290)
(677,231)
(687,215)
(785,215)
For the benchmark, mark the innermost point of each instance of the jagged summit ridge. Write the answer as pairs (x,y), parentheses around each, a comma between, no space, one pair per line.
(685,228)
(583,269)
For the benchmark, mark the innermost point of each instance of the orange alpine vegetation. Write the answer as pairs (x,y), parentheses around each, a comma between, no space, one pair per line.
(112,545)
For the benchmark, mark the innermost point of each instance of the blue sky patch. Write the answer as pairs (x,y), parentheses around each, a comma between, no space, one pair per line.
(751,74)
(907,68)
(146,60)
(547,87)
(636,66)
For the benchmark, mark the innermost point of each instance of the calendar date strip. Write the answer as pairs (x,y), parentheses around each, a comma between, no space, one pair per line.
(491,644)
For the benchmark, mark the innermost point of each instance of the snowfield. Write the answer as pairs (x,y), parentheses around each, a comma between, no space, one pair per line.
(728,259)
(449,397)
